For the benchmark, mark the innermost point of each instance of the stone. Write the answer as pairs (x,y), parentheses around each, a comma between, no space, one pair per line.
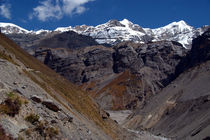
(24,87)
(15,83)
(53,121)
(104,115)
(70,119)
(51,105)
(36,98)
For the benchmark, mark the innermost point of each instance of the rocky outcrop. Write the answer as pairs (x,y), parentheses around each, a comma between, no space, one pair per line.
(199,53)
(78,66)
(139,70)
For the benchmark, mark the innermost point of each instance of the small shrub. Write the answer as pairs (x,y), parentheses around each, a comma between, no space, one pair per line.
(28,132)
(32,118)
(51,131)
(20,100)
(4,109)
(40,128)
(10,106)
(45,130)
(11,95)
(26,102)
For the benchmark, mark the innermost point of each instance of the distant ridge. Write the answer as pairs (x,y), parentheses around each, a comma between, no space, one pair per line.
(114,31)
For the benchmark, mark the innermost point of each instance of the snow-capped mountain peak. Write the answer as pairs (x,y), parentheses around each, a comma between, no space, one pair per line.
(114,31)
(9,28)
(176,31)
(180,26)
(126,22)
(174,27)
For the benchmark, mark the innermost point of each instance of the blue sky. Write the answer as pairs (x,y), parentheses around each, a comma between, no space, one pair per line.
(49,14)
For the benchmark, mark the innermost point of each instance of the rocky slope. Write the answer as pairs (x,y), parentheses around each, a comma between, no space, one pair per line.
(37,103)
(111,33)
(67,39)
(182,109)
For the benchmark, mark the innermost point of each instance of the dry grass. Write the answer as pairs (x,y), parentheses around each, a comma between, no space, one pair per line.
(3,55)
(90,88)
(52,81)
(117,88)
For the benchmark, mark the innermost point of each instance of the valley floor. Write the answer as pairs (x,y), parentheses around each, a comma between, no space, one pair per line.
(120,117)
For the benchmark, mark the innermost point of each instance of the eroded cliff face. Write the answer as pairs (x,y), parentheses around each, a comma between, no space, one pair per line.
(182,109)
(119,77)
(37,103)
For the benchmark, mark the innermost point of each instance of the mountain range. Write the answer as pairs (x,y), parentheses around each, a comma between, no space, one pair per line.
(154,83)
(114,32)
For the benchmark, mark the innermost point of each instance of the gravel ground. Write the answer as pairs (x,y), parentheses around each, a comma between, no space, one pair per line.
(120,117)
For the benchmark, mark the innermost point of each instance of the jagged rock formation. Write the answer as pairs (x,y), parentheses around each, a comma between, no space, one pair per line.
(182,109)
(122,77)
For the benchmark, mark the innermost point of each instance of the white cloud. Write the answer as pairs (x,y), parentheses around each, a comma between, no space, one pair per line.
(56,9)
(74,6)
(5,11)
(80,9)
(47,10)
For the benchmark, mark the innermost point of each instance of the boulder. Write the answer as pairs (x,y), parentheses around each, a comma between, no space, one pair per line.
(36,98)
(51,105)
